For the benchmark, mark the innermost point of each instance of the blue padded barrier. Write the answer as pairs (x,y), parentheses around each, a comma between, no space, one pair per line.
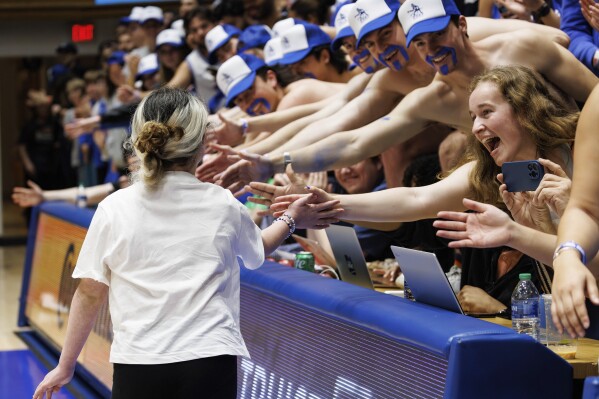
(317,338)
(328,339)
(591,388)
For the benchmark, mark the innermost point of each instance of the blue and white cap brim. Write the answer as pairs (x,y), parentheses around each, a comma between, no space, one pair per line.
(141,74)
(342,34)
(223,33)
(294,56)
(237,74)
(240,87)
(212,55)
(428,26)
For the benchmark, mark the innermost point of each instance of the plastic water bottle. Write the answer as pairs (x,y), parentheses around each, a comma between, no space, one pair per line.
(525,307)
(81,197)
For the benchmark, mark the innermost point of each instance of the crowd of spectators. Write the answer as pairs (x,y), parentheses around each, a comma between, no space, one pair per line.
(397,111)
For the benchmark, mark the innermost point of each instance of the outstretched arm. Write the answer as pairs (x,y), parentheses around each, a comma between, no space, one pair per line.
(347,148)
(580,223)
(559,65)
(353,89)
(480,28)
(402,204)
(88,298)
(372,104)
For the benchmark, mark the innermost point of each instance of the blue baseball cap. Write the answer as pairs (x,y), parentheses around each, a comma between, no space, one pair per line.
(425,16)
(281,26)
(151,13)
(254,36)
(342,25)
(299,40)
(117,57)
(370,15)
(170,37)
(135,16)
(218,37)
(148,65)
(237,74)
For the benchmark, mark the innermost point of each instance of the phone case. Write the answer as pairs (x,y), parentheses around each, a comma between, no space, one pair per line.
(522,175)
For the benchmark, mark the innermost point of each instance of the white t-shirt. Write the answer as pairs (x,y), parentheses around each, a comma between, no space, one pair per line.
(203,80)
(169,258)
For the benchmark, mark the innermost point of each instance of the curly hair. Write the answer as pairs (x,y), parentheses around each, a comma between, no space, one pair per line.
(167,131)
(545,116)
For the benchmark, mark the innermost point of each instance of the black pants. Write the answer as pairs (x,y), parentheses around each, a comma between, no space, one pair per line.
(208,378)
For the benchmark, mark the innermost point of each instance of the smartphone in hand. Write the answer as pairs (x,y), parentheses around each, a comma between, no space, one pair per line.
(522,175)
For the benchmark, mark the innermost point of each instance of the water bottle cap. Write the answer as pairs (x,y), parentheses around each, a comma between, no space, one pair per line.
(525,276)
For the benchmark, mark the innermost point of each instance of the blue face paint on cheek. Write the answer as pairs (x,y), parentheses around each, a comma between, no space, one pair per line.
(257,102)
(395,64)
(363,55)
(309,75)
(444,69)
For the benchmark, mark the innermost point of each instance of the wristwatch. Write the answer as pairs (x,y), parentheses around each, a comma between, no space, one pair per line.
(286,160)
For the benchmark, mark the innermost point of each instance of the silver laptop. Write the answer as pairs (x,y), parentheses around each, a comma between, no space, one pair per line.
(351,264)
(426,278)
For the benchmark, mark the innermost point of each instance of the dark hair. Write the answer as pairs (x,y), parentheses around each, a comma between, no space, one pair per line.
(337,58)
(201,12)
(319,10)
(285,75)
(226,8)
(422,171)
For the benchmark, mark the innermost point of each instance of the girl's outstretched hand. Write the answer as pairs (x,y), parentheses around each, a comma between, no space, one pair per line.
(486,227)
(310,215)
(281,203)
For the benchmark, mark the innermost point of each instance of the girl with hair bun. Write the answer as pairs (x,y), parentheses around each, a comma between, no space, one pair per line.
(164,252)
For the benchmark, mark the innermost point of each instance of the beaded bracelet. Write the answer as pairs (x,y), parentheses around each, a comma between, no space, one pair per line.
(288,221)
(571,245)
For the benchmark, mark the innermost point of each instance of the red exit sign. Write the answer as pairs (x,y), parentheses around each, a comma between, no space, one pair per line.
(82,33)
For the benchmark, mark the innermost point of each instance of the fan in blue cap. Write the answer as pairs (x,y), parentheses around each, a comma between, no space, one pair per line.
(418,17)
(370,15)
(425,16)
(299,41)
(237,75)
(342,27)
(345,38)
(254,37)
(221,42)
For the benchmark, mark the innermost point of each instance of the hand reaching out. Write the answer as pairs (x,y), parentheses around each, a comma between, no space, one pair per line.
(267,193)
(252,167)
(214,164)
(590,12)
(229,132)
(282,202)
(572,282)
(27,197)
(486,227)
(310,215)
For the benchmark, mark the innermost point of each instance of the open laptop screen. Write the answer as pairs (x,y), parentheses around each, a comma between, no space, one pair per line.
(426,278)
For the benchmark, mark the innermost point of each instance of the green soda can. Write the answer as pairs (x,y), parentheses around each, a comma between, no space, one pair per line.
(304,261)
